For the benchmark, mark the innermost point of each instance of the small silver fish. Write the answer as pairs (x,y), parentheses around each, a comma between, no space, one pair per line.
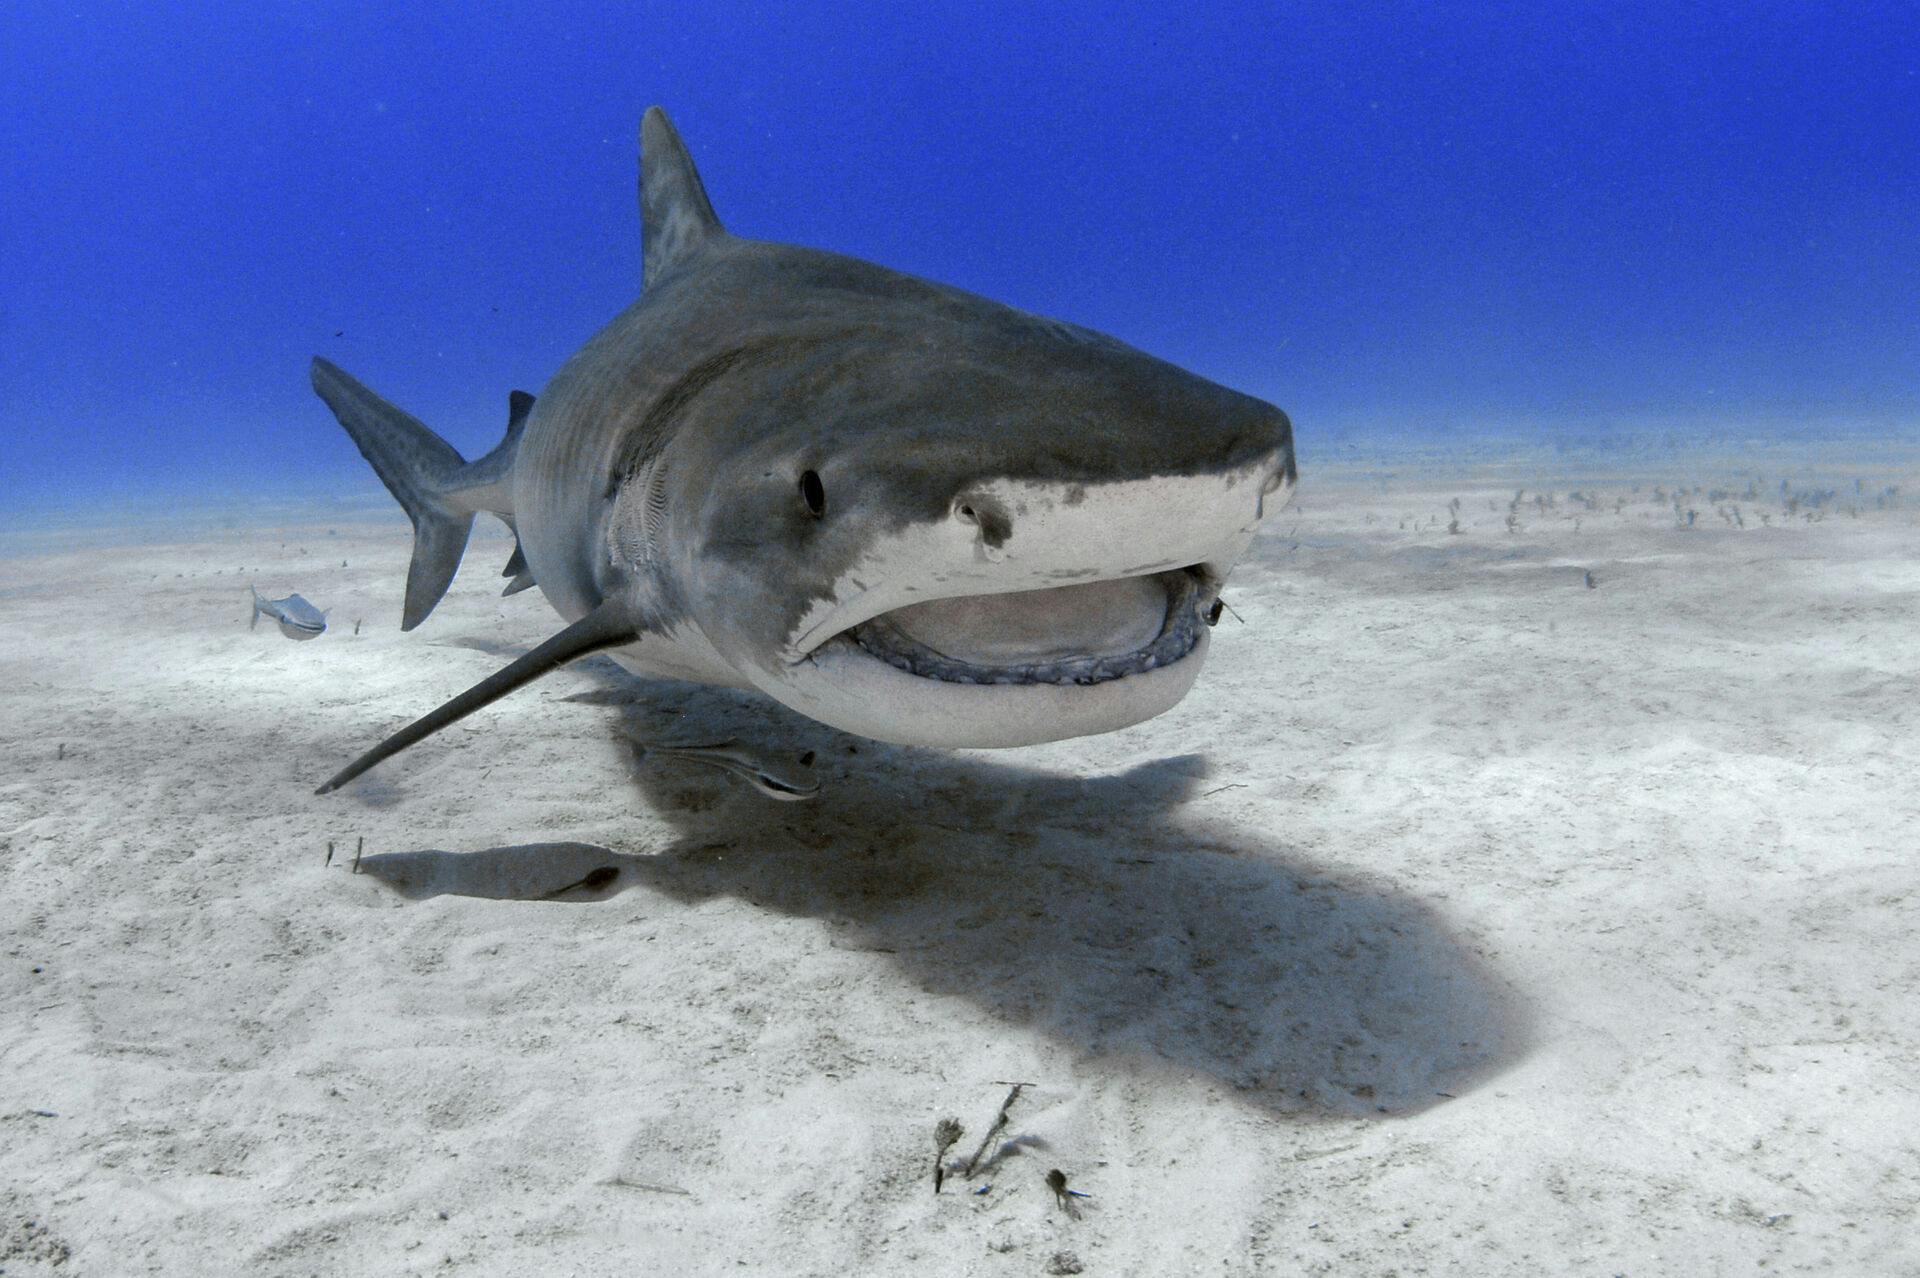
(769,778)
(298,619)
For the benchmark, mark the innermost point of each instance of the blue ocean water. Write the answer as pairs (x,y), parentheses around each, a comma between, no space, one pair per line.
(1557,222)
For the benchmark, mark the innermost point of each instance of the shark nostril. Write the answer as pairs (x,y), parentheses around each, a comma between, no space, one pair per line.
(988,515)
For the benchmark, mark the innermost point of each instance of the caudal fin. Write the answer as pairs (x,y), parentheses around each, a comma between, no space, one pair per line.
(430,480)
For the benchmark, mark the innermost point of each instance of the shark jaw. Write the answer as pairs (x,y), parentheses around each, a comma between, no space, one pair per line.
(1085,635)
(935,673)
(1058,637)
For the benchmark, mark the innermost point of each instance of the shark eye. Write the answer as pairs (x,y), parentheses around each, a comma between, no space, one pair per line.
(814,493)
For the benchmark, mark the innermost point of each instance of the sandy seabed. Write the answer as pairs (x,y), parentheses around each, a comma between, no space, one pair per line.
(1467,919)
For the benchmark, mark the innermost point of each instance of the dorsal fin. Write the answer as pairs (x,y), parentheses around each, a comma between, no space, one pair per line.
(493,468)
(519,404)
(676,218)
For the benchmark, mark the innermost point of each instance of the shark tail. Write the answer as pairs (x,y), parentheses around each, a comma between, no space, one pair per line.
(440,490)
(254,620)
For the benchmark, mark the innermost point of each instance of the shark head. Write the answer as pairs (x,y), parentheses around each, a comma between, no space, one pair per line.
(927,518)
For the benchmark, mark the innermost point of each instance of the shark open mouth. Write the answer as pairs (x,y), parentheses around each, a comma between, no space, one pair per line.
(1089,633)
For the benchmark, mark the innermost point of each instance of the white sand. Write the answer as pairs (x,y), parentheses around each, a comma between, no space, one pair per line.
(1464,920)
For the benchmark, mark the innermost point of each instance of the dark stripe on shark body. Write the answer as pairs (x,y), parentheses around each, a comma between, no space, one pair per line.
(655,430)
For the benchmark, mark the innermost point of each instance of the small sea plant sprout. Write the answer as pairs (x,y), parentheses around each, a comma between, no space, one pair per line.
(999,1122)
(945,1133)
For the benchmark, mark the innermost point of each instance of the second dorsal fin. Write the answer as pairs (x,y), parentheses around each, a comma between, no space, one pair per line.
(517,568)
(676,219)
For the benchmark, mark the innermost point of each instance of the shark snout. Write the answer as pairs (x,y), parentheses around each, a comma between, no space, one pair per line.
(1019,535)
(1068,526)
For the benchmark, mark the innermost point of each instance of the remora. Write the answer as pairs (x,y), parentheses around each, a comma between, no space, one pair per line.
(896,507)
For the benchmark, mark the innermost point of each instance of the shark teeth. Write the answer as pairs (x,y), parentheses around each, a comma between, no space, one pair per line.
(1179,632)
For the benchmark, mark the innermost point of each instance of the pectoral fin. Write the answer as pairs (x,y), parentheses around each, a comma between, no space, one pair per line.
(607,626)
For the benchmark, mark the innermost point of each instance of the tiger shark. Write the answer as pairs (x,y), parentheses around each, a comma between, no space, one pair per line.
(900,509)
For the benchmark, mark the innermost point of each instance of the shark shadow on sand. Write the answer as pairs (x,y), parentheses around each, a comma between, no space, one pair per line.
(1109,912)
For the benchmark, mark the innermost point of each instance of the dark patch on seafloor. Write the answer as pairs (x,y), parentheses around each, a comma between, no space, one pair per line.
(1097,909)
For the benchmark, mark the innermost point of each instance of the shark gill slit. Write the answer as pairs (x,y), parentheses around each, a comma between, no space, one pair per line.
(642,464)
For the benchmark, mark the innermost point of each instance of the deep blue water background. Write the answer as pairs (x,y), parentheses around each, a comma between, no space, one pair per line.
(1560,222)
